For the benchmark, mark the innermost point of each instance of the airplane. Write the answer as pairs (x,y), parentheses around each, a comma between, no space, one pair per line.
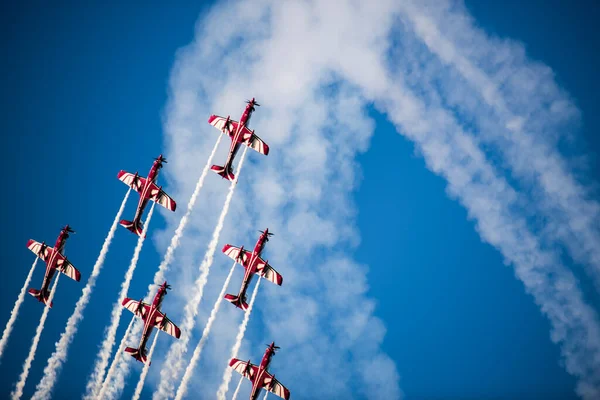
(253,264)
(259,376)
(153,318)
(148,190)
(55,261)
(239,133)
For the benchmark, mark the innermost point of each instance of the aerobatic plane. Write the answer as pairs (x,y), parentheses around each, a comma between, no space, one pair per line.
(253,264)
(153,318)
(259,376)
(55,261)
(148,190)
(239,133)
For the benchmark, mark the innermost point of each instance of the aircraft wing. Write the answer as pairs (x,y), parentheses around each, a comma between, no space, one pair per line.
(158,195)
(254,142)
(274,386)
(249,138)
(165,324)
(234,253)
(264,270)
(135,308)
(63,265)
(36,248)
(136,183)
(219,123)
(244,368)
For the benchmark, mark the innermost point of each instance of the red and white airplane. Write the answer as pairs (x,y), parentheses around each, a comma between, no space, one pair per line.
(153,318)
(253,264)
(148,190)
(55,261)
(259,376)
(239,133)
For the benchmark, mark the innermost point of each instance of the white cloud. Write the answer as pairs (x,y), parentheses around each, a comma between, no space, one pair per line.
(463,98)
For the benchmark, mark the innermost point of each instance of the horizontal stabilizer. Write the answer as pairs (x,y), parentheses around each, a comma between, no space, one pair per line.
(236,301)
(225,173)
(138,354)
(135,228)
(42,298)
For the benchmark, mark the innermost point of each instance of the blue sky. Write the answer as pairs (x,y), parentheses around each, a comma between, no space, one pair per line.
(85,90)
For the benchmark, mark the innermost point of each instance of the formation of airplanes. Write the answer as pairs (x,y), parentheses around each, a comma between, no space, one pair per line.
(151,314)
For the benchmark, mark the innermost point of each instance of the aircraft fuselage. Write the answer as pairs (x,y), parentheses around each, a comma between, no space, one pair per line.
(250,266)
(145,192)
(150,317)
(261,372)
(237,137)
(59,247)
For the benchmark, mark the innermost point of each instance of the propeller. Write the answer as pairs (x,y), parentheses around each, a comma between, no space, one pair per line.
(274,347)
(168,287)
(253,102)
(161,159)
(269,234)
(68,229)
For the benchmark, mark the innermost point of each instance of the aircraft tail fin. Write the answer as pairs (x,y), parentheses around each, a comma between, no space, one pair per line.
(138,354)
(42,297)
(226,173)
(236,301)
(136,228)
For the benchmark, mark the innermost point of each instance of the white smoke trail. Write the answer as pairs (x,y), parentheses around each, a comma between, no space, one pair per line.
(266,394)
(15,311)
(115,362)
(56,360)
(237,388)
(236,346)
(174,362)
(140,385)
(18,392)
(196,356)
(122,368)
(94,384)
(159,277)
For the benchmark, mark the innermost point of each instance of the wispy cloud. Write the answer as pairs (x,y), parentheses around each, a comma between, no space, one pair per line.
(518,110)
(316,67)
(315,126)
